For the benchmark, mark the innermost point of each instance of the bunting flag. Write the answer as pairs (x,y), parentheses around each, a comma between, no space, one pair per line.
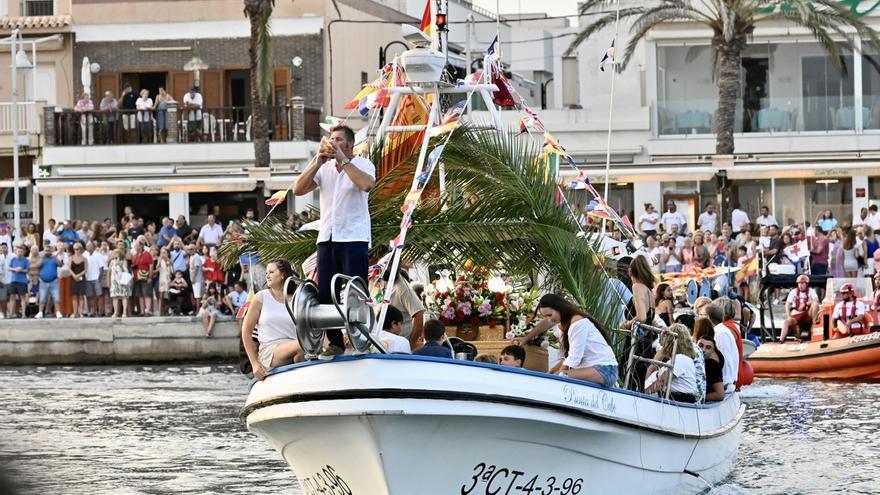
(450,119)
(494,50)
(523,127)
(426,26)
(242,311)
(607,58)
(356,101)
(310,265)
(277,198)
(551,145)
(331,122)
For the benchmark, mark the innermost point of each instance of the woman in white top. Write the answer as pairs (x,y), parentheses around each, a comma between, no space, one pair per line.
(684,372)
(588,356)
(275,331)
(648,222)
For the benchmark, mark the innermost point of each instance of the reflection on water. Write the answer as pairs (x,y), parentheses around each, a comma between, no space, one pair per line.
(134,430)
(175,430)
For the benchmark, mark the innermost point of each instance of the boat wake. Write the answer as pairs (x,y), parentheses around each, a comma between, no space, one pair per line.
(727,489)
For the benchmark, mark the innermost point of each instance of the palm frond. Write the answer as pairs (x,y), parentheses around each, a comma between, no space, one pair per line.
(499,206)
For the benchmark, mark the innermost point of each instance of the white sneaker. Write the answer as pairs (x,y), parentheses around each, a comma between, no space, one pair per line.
(59,315)
(39,315)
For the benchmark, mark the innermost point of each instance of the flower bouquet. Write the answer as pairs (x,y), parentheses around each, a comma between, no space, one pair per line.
(469,299)
(521,307)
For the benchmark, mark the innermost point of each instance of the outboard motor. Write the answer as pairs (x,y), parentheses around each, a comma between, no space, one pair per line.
(351,314)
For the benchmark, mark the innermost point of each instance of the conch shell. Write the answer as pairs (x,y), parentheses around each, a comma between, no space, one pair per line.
(326,147)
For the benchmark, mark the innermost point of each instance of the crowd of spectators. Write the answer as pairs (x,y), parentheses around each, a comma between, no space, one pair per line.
(824,246)
(78,268)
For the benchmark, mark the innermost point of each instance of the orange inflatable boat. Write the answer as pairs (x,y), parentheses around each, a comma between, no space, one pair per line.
(852,357)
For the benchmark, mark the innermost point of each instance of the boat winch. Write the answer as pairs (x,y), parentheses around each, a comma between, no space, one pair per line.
(350,311)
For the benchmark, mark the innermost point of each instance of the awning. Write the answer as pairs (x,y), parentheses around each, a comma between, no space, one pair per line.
(96,187)
(658,173)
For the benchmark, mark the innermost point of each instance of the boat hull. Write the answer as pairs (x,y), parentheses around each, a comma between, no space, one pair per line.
(428,436)
(851,358)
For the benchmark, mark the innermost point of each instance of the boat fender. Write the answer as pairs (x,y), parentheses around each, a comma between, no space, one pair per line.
(746,374)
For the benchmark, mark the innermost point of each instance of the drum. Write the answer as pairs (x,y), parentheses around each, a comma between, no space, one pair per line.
(706,288)
(693,292)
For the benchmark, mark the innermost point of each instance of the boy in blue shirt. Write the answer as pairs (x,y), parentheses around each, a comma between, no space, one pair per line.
(18,268)
(435,334)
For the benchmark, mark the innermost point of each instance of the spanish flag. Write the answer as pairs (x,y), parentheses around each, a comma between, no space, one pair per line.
(426,25)
(242,311)
(277,198)
(748,270)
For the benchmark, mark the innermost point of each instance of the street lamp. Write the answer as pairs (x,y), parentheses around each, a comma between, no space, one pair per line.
(20,61)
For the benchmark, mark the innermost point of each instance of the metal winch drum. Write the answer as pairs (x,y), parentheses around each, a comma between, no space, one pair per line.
(350,312)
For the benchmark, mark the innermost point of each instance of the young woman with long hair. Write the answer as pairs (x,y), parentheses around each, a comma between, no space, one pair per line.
(276,334)
(664,304)
(587,354)
(643,283)
(683,387)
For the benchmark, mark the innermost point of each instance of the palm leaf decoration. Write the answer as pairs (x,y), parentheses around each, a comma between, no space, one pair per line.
(499,207)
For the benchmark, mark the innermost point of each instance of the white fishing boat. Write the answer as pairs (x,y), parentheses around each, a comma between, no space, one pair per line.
(399,424)
(382,424)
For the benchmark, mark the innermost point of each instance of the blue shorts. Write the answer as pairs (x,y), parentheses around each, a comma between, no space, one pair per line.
(608,372)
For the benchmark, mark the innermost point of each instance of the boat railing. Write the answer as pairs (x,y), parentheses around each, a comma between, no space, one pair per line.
(638,331)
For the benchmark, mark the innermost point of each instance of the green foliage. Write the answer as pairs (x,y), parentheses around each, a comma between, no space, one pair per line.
(499,207)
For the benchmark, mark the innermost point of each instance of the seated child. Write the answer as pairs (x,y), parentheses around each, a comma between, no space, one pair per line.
(486,358)
(435,335)
(513,356)
(390,334)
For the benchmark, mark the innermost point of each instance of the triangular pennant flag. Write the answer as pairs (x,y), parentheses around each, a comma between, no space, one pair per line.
(608,57)
(276,198)
(426,26)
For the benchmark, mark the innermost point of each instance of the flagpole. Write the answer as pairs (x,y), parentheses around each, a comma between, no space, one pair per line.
(611,101)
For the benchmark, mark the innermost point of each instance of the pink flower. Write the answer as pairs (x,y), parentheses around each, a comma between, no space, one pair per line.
(449,313)
(465,308)
(509,336)
(485,308)
(545,344)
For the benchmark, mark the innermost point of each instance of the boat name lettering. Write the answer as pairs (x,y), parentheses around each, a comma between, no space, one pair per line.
(489,479)
(855,339)
(599,401)
(325,482)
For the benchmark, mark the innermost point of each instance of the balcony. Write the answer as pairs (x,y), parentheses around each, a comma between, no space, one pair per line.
(28,123)
(210,125)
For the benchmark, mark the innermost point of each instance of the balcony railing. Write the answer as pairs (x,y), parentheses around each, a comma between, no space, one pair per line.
(208,125)
(27,118)
(38,7)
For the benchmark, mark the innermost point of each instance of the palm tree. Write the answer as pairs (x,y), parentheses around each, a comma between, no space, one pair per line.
(260,53)
(499,207)
(732,23)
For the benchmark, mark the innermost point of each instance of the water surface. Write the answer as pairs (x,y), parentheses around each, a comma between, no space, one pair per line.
(136,430)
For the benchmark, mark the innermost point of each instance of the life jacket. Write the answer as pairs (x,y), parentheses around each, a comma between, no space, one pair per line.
(742,375)
(853,310)
(801,299)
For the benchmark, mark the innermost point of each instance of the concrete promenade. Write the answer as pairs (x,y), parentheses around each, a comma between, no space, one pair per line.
(115,340)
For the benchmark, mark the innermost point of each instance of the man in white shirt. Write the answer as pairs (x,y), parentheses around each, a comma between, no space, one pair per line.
(390,334)
(344,236)
(725,342)
(739,220)
(144,105)
(766,219)
(801,307)
(192,104)
(97,262)
(874,219)
(211,233)
(49,233)
(708,220)
(672,217)
(862,219)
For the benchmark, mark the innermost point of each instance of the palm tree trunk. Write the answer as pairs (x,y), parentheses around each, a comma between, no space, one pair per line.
(729,61)
(259,124)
